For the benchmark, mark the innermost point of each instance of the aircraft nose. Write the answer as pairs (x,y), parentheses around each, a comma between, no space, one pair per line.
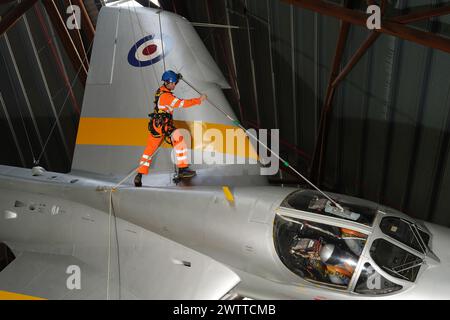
(434,283)
(440,242)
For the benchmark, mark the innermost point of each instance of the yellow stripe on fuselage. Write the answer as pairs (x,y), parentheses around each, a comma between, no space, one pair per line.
(5,295)
(134,132)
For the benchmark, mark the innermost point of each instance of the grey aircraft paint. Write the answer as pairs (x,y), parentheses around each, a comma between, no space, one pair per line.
(183,241)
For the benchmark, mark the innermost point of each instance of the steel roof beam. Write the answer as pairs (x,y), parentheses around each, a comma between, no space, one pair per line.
(60,27)
(396,29)
(422,15)
(78,40)
(88,27)
(318,151)
(335,79)
(11,18)
(356,57)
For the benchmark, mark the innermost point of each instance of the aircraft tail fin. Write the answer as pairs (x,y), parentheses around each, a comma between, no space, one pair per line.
(132,48)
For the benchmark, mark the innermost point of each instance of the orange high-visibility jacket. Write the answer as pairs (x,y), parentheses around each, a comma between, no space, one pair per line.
(168,102)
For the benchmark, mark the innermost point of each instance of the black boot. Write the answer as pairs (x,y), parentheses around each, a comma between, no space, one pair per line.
(186,173)
(138,180)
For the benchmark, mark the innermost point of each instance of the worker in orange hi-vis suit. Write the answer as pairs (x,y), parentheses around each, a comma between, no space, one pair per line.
(161,128)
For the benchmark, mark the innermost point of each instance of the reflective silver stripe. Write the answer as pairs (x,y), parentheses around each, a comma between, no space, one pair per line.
(166,108)
(182,158)
(147,164)
(146,156)
(175,100)
(180,151)
(182,104)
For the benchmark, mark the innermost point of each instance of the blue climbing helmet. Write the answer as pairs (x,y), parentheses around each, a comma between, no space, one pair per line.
(170,76)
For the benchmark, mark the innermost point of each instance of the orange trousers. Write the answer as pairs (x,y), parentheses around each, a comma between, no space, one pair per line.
(179,146)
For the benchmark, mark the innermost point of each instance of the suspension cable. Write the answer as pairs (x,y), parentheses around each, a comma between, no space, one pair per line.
(109,246)
(72,84)
(110,214)
(133,10)
(115,187)
(162,41)
(21,116)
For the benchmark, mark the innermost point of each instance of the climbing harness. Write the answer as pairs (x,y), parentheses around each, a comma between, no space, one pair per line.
(161,123)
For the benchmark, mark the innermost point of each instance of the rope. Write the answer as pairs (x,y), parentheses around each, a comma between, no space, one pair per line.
(133,172)
(162,41)
(143,33)
(109,245)
(115,187)
(141,72)
(285,163)
(111,211)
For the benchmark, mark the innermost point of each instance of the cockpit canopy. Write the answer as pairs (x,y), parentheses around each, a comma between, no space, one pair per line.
(405,232)
(313,201)
(329,255)
(317,252)
(394,260)
(321,251)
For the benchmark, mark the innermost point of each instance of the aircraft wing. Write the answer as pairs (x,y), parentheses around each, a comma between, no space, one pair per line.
(50,231)
(44,276)
(166,271)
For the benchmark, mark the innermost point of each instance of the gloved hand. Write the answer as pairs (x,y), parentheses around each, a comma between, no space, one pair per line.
(203,97)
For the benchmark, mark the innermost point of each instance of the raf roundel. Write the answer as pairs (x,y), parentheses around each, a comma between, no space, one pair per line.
(147,51)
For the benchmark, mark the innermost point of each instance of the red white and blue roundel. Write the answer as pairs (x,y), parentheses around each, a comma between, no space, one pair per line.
(148,50)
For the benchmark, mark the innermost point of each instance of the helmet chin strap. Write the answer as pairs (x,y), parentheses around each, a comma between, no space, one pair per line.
(166,84)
